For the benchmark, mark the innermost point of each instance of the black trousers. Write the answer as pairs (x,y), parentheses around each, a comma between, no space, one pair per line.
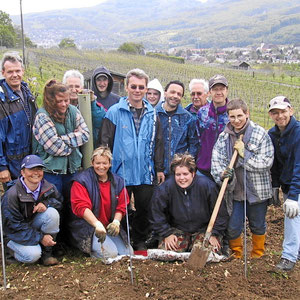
(140,225)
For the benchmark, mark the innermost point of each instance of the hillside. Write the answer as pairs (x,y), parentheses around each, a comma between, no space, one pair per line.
(164,24)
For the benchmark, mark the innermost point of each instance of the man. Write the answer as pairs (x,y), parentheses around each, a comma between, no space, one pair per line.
(285,172)
(132,130)
(211,122)
(251,171)
(102,85)
(17,110)
(74,80)
(30,216)
(155,92)
(178,124)
(199,92)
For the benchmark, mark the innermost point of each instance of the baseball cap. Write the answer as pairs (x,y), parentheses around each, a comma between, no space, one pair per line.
(101,75)
(279,102)
(31,161)
(217,79)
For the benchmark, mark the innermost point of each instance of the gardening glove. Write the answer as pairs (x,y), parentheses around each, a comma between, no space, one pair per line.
(240,147)
(228,173)
(291,208)
(275,198)
(113,228)
(100,232)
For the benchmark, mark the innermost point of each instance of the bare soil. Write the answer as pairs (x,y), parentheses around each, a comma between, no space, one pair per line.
(79,277)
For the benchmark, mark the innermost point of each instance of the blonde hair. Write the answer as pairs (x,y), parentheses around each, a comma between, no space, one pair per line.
(183,160)
(102,151)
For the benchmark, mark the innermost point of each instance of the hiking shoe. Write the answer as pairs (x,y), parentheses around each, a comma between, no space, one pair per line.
(49,261)
(139,246)
(285,265)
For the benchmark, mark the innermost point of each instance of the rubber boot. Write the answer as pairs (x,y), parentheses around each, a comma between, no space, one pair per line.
(236,246)
(258,244)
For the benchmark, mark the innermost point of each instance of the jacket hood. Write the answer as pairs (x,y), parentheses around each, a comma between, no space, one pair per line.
(155,84)
(102,70)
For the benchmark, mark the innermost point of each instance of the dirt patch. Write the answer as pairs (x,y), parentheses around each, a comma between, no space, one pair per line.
(78,277)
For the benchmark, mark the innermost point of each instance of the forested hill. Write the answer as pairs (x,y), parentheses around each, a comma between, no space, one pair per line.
(170,23)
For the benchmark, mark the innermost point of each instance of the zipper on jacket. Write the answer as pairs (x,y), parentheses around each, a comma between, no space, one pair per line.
(170,136)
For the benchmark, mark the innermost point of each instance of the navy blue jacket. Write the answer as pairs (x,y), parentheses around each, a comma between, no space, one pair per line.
(17,207)
(15,127)
(81,232)
(179,131)
(286,167)
(187,209)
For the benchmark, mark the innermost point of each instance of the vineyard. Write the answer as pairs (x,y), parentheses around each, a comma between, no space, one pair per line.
(256,88)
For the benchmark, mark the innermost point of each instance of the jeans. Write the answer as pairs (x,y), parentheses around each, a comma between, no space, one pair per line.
(46,222)
(61,181)
(255,213)
(291,242)
(111,247)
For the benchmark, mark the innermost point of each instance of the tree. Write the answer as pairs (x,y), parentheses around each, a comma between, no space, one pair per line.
(7,33)
(28,42)
(132,48)
(67,43)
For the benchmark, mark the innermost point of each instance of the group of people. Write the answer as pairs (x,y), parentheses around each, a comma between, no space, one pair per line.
(171,160)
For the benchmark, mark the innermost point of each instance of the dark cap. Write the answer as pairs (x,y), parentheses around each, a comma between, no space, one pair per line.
(31,161)
(217,79)
(101,75)
(279,102)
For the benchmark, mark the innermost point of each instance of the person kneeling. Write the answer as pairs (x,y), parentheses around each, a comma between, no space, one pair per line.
(182,207)
(30,214)
(98,200)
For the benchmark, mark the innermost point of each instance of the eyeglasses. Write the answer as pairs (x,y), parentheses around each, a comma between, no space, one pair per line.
(196,93)
(140,87)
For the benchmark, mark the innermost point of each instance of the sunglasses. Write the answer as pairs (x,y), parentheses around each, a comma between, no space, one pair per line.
(140,87)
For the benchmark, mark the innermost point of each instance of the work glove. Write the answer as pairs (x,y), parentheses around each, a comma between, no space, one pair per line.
(291,208)
(275,198)
(100,232)
(240,147)
(113,228)
(228,173)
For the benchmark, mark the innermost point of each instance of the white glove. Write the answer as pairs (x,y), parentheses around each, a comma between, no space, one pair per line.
(100,231)
(291,208)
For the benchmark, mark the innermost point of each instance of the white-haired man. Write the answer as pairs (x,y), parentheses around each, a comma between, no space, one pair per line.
(199,92)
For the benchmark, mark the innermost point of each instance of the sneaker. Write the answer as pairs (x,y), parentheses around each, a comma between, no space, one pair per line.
(285,265)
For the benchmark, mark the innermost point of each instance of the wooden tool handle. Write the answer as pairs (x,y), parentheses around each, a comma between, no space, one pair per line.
(221,193)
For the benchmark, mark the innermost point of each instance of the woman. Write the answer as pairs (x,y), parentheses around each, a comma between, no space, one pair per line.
(99,200)
(58,131)
(182,207)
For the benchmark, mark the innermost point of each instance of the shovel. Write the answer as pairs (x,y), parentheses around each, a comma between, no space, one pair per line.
(200,253)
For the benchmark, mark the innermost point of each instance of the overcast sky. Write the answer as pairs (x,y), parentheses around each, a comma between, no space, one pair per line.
(12,7)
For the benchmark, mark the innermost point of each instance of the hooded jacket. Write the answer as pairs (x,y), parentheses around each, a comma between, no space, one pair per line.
(155,85)
(111,98)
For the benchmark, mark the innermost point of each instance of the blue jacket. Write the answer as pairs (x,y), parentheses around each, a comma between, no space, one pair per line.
(17,207)
(188,210)
(15,127)
(286,167)
(81,232)
(140,153)
(179,131)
